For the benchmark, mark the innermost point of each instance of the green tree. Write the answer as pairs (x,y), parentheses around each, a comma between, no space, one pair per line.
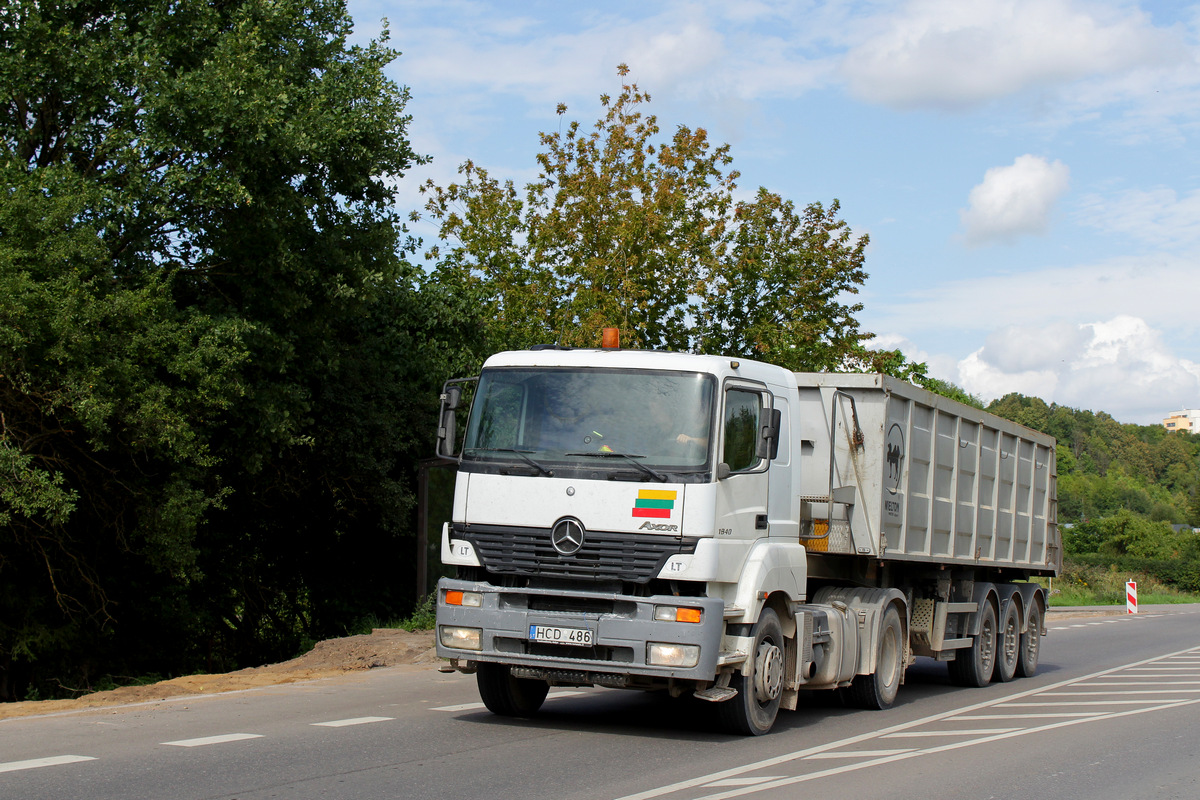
(624,229)
(1127,533)
(207,366)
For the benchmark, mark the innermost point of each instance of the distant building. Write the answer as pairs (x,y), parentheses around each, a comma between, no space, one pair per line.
(1186,420)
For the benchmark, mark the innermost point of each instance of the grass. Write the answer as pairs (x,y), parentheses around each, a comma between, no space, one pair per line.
(1082,585)
(422,618)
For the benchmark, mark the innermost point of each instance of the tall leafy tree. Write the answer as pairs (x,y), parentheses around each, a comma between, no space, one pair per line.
(206,331)
(625,227)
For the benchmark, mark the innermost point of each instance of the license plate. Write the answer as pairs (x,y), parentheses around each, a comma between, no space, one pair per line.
(552,634)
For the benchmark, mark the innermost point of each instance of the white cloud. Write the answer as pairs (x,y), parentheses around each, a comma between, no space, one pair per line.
(950,54)
(1015,200)
(1158,288)
(1159,217)
(1120,366)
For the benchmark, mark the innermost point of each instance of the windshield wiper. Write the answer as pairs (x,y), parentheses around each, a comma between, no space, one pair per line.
(630,457)
(549,473)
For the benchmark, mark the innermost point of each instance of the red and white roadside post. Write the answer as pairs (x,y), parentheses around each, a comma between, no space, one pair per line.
(1131,597)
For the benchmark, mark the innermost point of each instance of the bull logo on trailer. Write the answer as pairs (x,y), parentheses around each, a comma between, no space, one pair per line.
(895,457)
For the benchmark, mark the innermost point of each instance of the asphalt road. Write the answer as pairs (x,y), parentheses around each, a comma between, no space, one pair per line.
(1114,712)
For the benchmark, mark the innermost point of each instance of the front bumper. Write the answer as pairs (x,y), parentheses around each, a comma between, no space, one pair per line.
(624,628)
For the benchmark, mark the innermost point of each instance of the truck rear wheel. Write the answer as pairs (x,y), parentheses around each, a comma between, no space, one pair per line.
(752,712)
(1008,647)
(1031,642)
(878,690)
(973,666)
(508,696)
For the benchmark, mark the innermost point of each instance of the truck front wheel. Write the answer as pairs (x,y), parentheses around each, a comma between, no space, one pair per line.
(508,696)
(752,712)
(973,666)
(878,690)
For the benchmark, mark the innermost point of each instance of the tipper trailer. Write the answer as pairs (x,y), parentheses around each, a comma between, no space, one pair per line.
(720,526)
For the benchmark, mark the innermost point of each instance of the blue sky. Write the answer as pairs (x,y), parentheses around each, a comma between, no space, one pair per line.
(1027,170)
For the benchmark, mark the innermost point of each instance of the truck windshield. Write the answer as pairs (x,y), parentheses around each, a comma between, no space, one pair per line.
(589,418)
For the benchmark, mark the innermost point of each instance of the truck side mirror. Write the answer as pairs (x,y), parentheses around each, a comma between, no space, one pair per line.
(768,443)
(447,423)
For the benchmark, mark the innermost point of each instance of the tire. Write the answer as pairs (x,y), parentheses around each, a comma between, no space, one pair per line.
(752,712)
(973,665)
(1031,643)
(1008,645)
(878,690)
(508,696)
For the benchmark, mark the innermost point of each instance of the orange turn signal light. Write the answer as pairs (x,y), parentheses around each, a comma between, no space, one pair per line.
(687,615)
(454,598)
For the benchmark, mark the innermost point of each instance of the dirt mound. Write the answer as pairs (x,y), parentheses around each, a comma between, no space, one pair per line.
(382,647)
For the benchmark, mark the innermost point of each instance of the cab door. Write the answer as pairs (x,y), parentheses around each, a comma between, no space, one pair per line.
(743,459)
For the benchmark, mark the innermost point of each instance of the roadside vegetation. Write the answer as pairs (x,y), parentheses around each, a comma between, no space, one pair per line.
(221,348)
(1085,585)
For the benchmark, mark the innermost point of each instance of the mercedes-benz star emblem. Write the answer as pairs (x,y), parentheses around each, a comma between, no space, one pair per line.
(567,536)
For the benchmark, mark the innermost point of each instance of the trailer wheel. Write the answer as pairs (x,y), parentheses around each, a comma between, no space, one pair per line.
(508,696)
(1008,649)
(878,690)
(752,712)
(1031,642)
(973,665)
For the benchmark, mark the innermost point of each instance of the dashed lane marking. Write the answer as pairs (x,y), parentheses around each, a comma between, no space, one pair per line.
(476,706)
(34,763)
(204,741)
(342,723)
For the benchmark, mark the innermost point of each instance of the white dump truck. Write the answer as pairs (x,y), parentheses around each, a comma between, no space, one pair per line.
(734,530)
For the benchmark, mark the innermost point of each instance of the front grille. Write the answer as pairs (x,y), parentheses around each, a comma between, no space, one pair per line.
(630,557)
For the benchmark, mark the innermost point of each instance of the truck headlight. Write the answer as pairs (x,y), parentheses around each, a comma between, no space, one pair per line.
(461,638)
(672,655)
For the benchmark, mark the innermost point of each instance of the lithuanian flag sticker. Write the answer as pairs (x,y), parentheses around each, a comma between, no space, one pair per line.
(654,503)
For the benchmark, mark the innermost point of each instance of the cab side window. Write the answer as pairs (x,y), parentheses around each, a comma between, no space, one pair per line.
(743,410)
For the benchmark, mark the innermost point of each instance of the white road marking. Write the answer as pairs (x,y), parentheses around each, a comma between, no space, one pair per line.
(207,740)
(1144,683)
(1054,715)
(463,707)
(791,781)
(742,781)
(1077,703)
(474,706)
(51,761)
(1108,694)
(862,753)
(910,728)
(963,732)
(342,723)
